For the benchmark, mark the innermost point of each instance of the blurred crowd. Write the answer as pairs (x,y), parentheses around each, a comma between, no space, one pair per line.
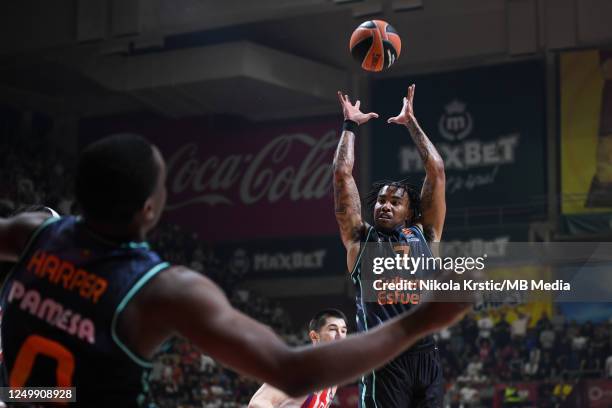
(184,377)
(34,172)
(485,349)
(508,346)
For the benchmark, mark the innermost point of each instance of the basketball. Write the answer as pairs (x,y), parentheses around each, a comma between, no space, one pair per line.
(375,45)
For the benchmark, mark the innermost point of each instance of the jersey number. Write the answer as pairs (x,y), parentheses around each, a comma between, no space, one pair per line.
(31,348)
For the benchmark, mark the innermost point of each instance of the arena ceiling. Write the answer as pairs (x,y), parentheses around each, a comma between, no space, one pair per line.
(261,59)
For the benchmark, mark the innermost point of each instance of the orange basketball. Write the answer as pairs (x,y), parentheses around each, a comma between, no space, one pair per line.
(376,45)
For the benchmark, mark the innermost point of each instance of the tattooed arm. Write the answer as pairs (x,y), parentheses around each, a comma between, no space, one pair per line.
(346,196)
(433,197)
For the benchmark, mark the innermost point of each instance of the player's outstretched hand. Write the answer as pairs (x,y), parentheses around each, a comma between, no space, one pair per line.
(407,113)
(352,112)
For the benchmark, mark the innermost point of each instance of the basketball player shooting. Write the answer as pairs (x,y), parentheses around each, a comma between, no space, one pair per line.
(401,215)
(89,303)
(327,325)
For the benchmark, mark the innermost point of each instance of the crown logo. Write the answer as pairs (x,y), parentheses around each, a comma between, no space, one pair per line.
(456,122)
(455,107)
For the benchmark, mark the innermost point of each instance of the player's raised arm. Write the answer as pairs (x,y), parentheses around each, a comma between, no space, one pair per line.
(15,233)
(346,196)
(433,194)
(185,302)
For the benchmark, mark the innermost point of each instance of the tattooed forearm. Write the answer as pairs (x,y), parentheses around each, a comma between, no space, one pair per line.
(427,150)
(433,201)
(344,158)
(420,140)
(427,195)
(338,204)
(346,196)
(348,209)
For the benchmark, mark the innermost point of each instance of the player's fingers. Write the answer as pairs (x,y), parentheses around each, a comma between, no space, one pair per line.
(392,119)
(347,99)
(358,104)
(372,115)
(340,98)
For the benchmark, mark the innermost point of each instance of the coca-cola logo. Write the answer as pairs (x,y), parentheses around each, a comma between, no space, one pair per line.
(291,166)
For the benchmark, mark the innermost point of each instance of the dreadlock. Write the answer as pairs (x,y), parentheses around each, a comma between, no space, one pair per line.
(411,189)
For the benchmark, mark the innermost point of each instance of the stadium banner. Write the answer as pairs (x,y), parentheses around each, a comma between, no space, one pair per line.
(585,83)
(289,257)
(487,123)
(487,235)
(597,394)
(241,181)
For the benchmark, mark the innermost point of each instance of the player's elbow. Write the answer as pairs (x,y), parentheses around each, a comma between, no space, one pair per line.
(435,167)
(342,171)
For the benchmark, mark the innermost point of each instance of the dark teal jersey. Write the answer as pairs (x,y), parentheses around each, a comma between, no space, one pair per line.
(60,307)
(371,313)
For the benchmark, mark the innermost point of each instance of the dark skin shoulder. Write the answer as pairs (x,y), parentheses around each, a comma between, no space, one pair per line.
(15,233)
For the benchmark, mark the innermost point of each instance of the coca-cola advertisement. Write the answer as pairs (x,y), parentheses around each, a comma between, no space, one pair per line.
(241,181)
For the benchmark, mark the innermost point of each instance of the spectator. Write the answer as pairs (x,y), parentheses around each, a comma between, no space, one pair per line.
(591,365)
(531,366)
(485,324)
(485,350)
(473,371)
(609,366)
(563,389)
(470,330)
(519,325)
(468,394)
(558,322)
(579,343)
(501,332)
(547,338)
